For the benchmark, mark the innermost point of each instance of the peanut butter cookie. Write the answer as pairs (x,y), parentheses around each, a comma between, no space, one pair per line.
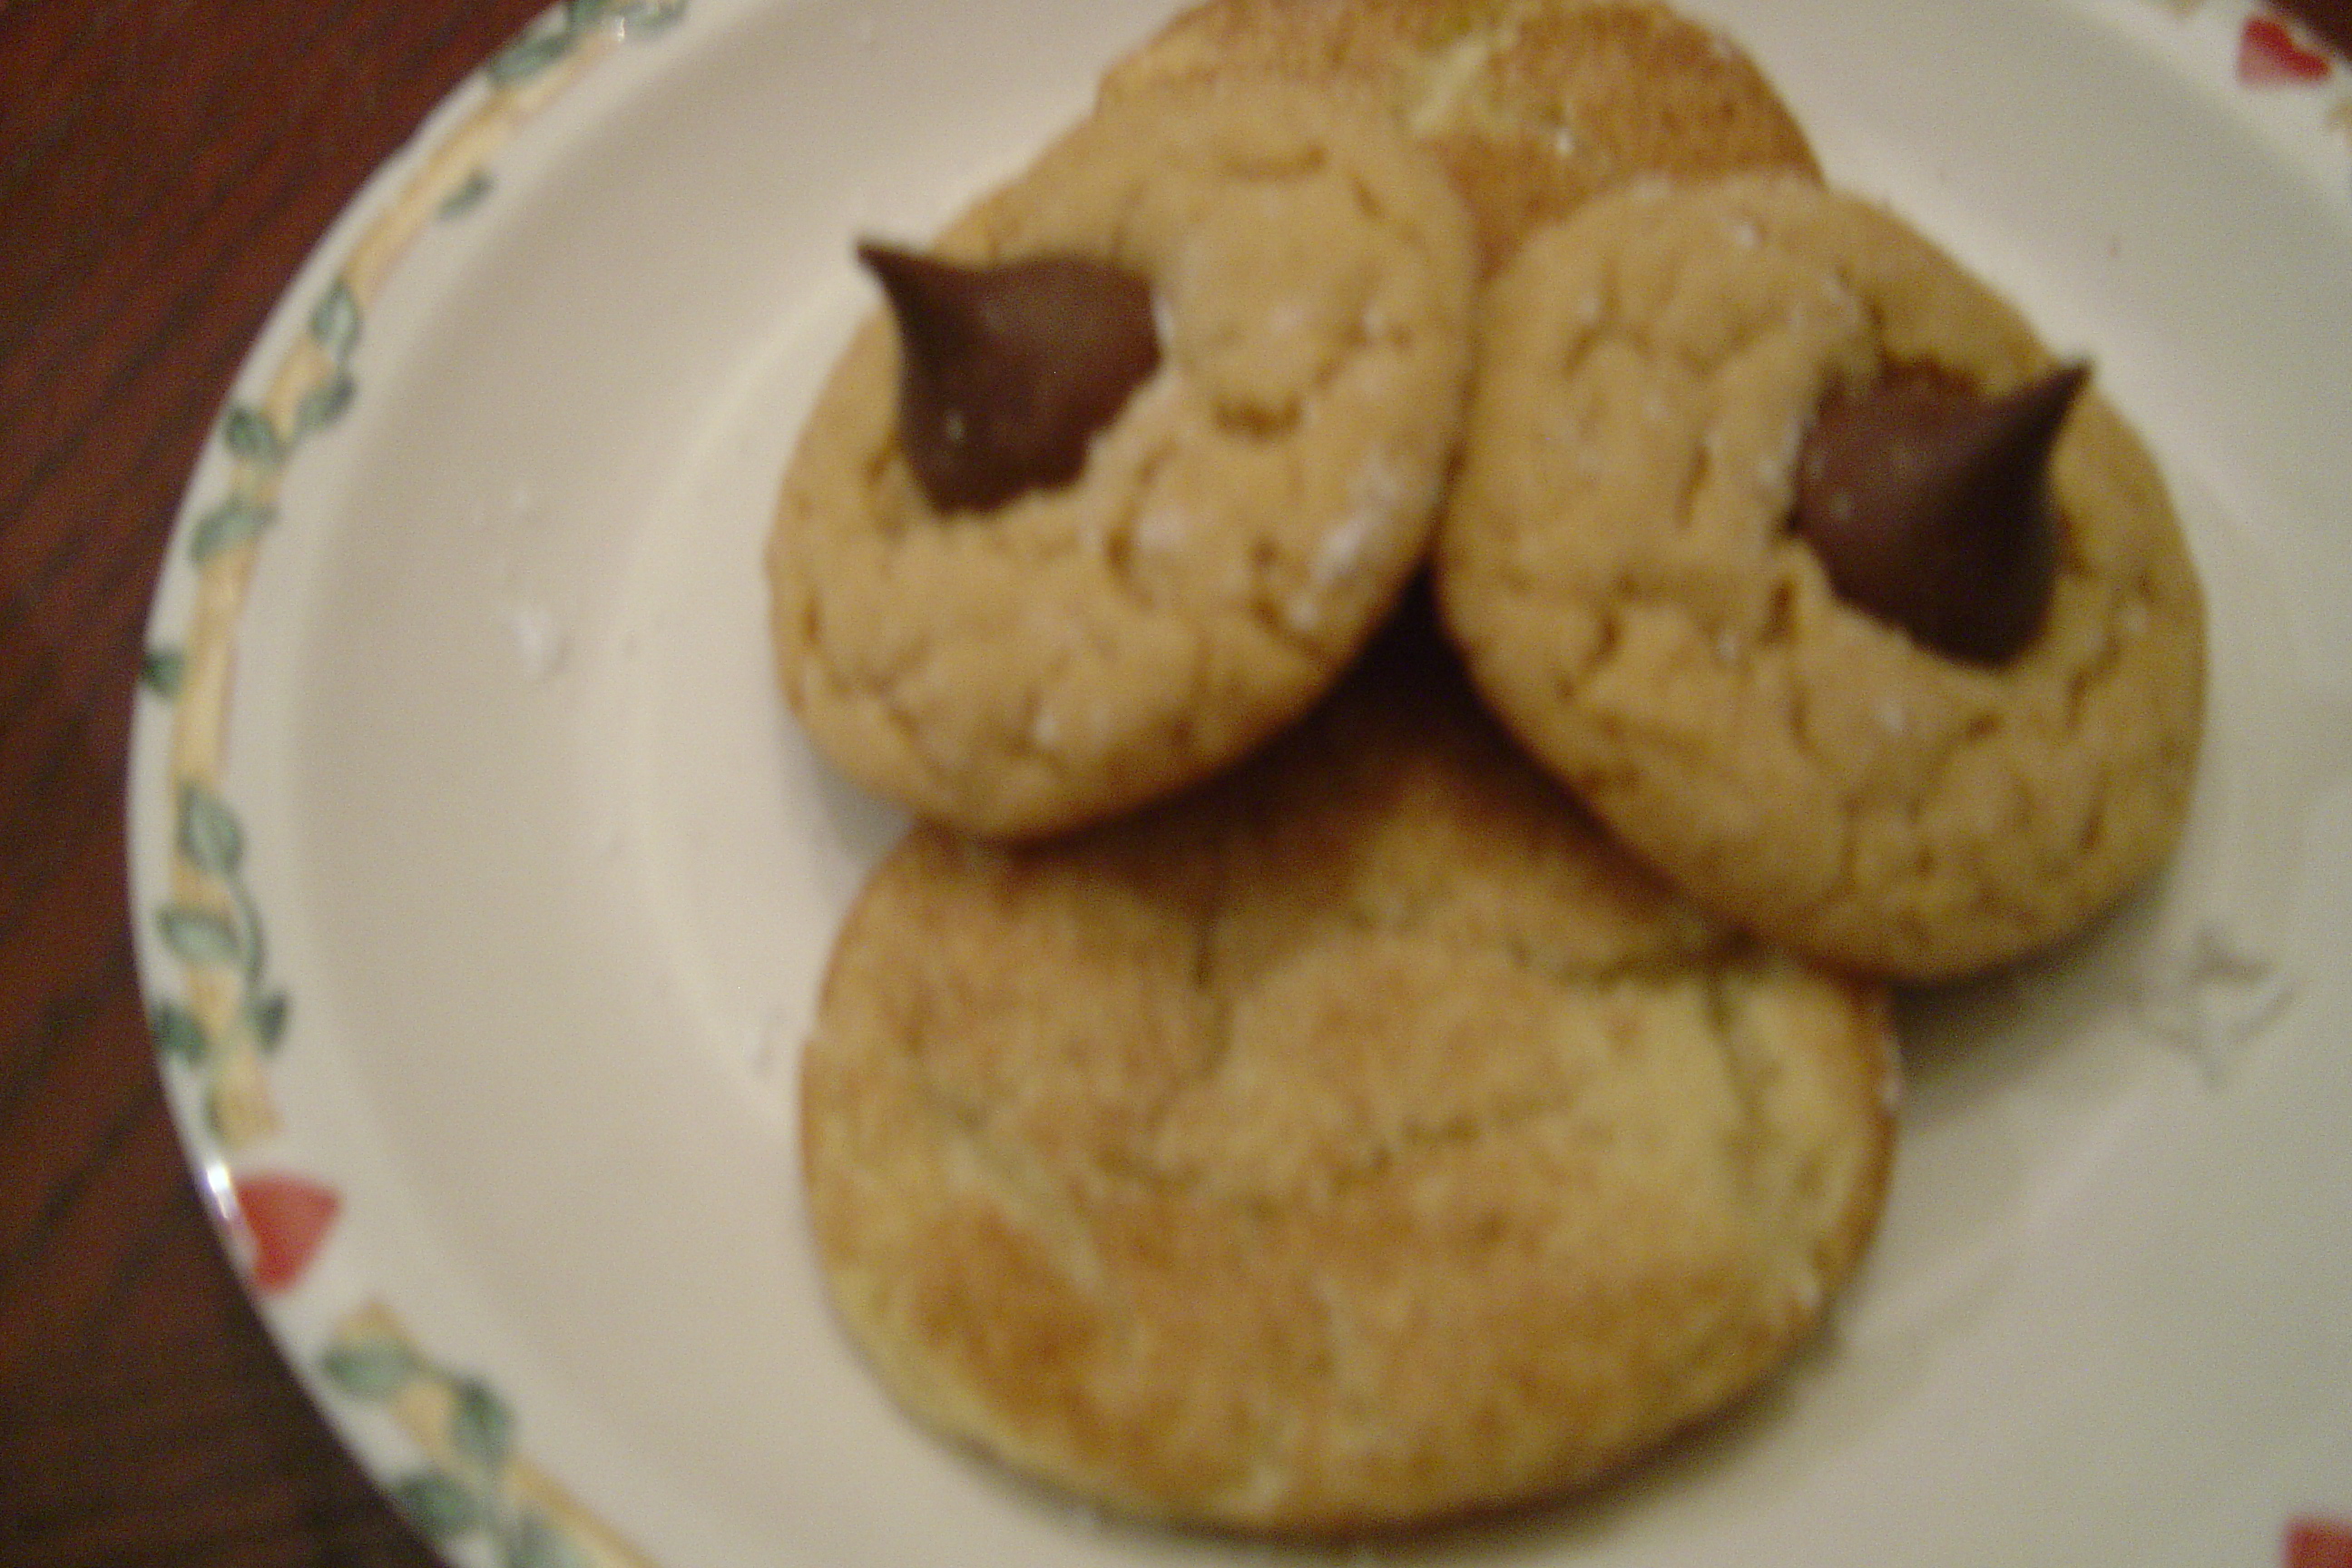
(1234,532)
(1620,566)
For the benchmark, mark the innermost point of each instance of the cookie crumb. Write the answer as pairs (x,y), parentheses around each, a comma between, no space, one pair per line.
(2214,992)
(1805,1294)
(1161,528)
(538,639)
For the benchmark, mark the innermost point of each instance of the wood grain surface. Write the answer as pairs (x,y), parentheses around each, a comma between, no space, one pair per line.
(164,166)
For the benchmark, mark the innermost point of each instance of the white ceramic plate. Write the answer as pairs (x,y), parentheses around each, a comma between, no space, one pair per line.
(481,882)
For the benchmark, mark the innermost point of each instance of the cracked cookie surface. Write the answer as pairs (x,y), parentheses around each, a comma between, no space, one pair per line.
(1618,568)
(1356,1141)
(1534,106)
(1237,530)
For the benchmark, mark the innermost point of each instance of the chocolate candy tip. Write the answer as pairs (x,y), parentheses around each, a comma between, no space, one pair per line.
(1007,371)
(1928,504)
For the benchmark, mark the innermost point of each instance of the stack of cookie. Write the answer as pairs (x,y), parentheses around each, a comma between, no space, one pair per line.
(1333,1055)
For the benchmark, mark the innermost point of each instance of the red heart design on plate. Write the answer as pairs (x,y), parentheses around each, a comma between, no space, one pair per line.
(2319,1543)
(2268,55)
(285,1218)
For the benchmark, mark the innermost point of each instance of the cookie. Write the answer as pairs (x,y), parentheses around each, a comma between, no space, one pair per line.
(1356,1141)
(1534,105)
(1237,530)
(1619,567)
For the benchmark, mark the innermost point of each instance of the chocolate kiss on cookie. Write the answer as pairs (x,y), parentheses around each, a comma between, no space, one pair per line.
(1006,372)
(1928,504)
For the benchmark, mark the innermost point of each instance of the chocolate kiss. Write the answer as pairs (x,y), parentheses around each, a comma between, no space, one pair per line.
(1929,504)
(1006,372)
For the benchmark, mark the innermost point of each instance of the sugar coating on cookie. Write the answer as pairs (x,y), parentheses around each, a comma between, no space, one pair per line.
(1533,105)
(1237,530)
(1358,1141)
(1617,565)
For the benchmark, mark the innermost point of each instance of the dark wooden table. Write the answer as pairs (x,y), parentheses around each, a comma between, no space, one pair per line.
(164,166)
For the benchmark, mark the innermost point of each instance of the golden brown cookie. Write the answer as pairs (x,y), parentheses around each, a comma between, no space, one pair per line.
(1534,105)
(1237,530)
(1619,567)
(1357,1142)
